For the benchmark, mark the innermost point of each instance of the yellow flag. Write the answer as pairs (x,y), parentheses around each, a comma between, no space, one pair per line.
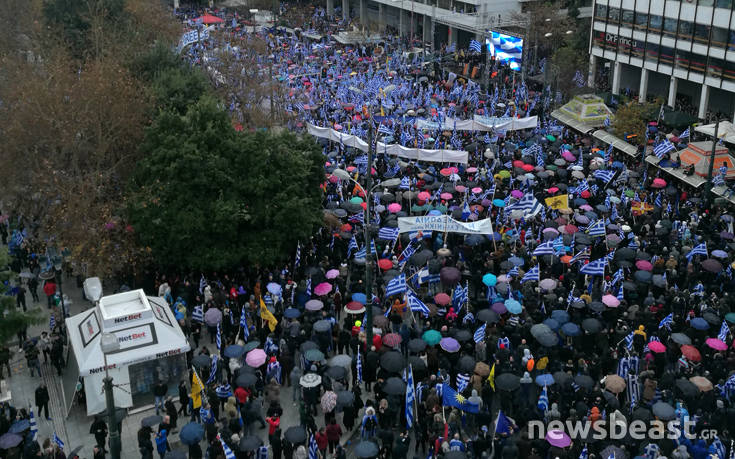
(558,202)
(196,390)
(491,377)
(266,315)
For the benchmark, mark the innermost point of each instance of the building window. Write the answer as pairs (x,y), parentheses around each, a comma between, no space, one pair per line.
(652,50)
(723,4)
(731,40)
(666,55)
(656,23)
(628,16)
(641,21)
(729,71)
(670,27)
(682,59)
(719,37)
(637,49)
(697,63)
(714,67)
(701,33)
(613,15)
(601,12)
(706,2)
(599,39)
(685,30)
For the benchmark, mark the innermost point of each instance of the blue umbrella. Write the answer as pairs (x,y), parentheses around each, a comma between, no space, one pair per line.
(570,329)
(617,165)
(434,212)
(699,323)
(474,239)
(291,313)
(516,261)
(359,297)
(544,379)
(552,324)
(495,236)
(498,203)
(274,288)
(10,440)
(489,279)
(560,316)
(580,202)
(192,433)
(513,306)
(234,351)
(19,426)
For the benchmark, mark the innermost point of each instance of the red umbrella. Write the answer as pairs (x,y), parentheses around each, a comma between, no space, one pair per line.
(442,299)
(691,353)
(353,307)
(392,339)
(209,19)
(385,264)
(657,347)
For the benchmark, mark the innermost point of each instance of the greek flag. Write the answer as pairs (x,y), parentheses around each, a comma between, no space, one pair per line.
(313,448)
(359,367)
(594,268)
(52,322)
(531,275)
(198,313)
(543,400)
(719,447)
(202,284)
(352,246)
(662,148)
(383,129)
(357,218)
(685,134)
(213,370)
(460,296)
(463,380)
(58,441)
(362,253)
(618,276)
(597,228)
(583,186)
(407,253)
(700,249)
(34,427)
(388,234)
(604,175)
(219,337)
(475,46)
(410,397)
(584,454)
(581,255)
(244,322)
(396,285)
(718,180)
(297,259)
(415,304)
(578,79)
(621,295)
(629,341)
(724,331)
(545,248)
(607,121)
(480,333)
(528,204)
(226,449)
(633,389)
(513,272)
(405,183)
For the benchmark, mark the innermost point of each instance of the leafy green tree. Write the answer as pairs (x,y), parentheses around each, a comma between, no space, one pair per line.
(206,196)
(13,319)
(630,120)
(179,87)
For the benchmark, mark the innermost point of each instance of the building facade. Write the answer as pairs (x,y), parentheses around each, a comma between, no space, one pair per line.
(683,51)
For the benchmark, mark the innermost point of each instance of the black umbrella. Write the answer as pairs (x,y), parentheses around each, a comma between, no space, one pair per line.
(201,361)
(711,318)
(174,454)
(151,421)
(548,340)
(246,379)
(295,434)
(322,326)
(664,411)
(507,381)
(249,443)
(250,345)
(611,399)
(597,306)
(462,335)
(687,388)
(644,277)
(466,364)
(336,372)
(416,345)
(308,345)
(591,325)
(642,414)
(394,386)
(584,381)
(366,449)
(345,398)
(680,338)
(561,378)
(488,316)
(625,253)
(416,363)
(392,361)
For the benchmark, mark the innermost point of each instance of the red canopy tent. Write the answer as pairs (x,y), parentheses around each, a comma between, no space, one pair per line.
(209,19)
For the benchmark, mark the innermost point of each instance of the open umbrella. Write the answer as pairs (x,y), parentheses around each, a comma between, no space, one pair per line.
(394,386)
(680,338)
(201,361)
(20,426)
(560,315)
(702,383)
(314,355)
(246,379)
(336,372)
(716,344)
(449,344)
(291,313)
(540,329)
(699,323)
(614,384)
(328,401)
(584,381)
(314,305)
(234,351)
(192,433)
(392,361)
(488,316)
(687,388)
(664,411)
(432,337)
(323,289)
(310,380)
(548,340)
(256,358)
(691,353)
(10,440)
(345,398)
(416,345)
(366,449)
(354,307)
(507,382)
(151,421)
(341,360)
(212,317)
(656,347)
(392,339)
(558,438)
(544,379)
(466,364)
(250,345)
(571,329)
(295,434)
(249,443)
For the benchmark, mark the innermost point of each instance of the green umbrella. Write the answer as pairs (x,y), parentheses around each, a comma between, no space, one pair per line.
(418,208)
(432,337)
(551,167)
(504,174)
(356,200)
(441,208)
(629,193)
(551,138)
(730,317)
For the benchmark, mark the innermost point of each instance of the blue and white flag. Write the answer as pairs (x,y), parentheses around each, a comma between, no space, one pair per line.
(313,448)
(212,370)
(597,228)
(634,389)
(662,148)
(415,304)
(724,331)
(594,268)
(480,333)
(604,175)
(629,340)
(226,449)
(219,337)
(543,400)
(578,79)
(700,249)
(405,183)
(459,296)
(410,397)
(352,246)
(545,248)
(34,427)
(52,322)
(685,134)
(359,367)
(475,46)
(584,454)
(58,441)
(202,284)
(388,234)
(533,274)
(198,313)
(297,259)
(528,204)
(396,286)
(463,380)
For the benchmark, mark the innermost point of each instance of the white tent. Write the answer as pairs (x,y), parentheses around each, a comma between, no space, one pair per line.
(725,131)
(147,332)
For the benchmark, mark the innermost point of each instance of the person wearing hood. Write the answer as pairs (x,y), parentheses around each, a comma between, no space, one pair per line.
(700,450)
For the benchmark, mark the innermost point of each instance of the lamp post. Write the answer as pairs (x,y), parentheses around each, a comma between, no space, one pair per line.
(344,175)
(109,344)
(708,185)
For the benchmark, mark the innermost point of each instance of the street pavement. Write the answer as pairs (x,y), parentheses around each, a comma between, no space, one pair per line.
(73,428)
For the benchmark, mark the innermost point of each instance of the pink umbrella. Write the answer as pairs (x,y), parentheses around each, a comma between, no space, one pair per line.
(657,347)
(446,172)
(394,207)
(644,265)
(442,299)
(332,274)
(716,344)
(476,190)
(527,167)
(471,170)
(453,169)
(323,288)
(314,305)
(460,188)
(610,301)
(518,194)
(255,358)
(552,190)
(586,207)
(568,156)
(351,168)
(446,196)
(424,196)
(658,183)
(333,179)
(558,438)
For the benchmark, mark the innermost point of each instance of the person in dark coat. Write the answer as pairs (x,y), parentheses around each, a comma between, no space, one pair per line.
(99,430)
(276,444)
(145,445)
(42,399)
(171,412)
(183,397)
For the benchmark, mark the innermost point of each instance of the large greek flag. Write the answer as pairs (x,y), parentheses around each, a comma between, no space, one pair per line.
(507,49)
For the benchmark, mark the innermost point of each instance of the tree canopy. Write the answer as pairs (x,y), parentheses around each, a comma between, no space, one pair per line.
(206,196)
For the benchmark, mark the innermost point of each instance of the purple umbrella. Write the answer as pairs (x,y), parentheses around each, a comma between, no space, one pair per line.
(212,317)
(719,254)
(449,344)
(558,438)
(10,440)
(727,235)
(314,305)
(547,284)
(499,308)
(450,276)
(332,274)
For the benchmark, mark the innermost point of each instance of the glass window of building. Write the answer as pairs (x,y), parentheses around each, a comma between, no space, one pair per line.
(670,27)
(682,59)
(719,37)
(666,55)
(723,4)
(628,17)
(686,29)
(706,2)
(731,39)
(613,15)
(601,12)
(641,20)
(652,51)
(701,33)
(729,71)
(697,63)
(656,22)
(714,67)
